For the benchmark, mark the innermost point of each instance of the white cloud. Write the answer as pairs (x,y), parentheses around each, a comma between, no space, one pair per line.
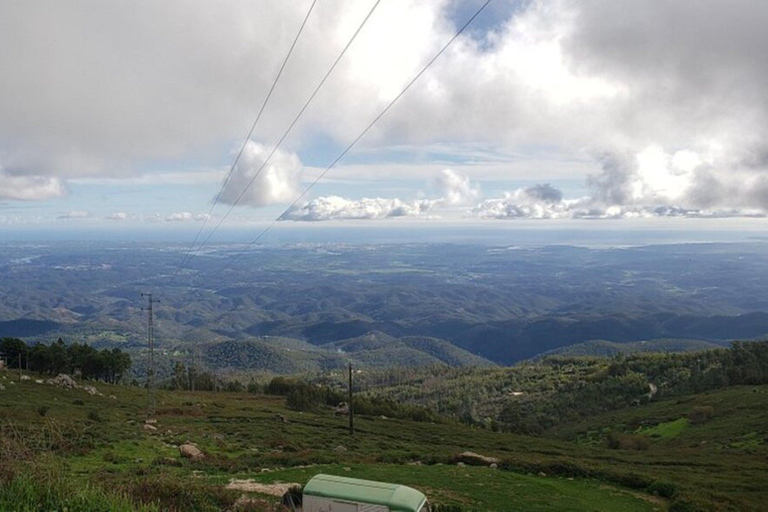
(30,188)
(75,214)
(276,182)
(339,208)
(547,202)
(185,216)
(117,216)
(666,98)
(456,189)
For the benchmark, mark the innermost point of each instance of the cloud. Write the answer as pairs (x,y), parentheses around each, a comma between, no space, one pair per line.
(546,202)
(30,188)
(76,214)
(277,182)
(666,98)
(339,208)
(456,189)
(117,216)
(185,216)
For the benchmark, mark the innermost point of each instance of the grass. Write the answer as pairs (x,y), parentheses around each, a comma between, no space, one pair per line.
(482,489)
(715,465)
(666,430)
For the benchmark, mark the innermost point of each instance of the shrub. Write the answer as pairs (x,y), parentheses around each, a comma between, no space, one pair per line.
(78,402)
(618,441)
(43,410)
(700,414)
(95,416)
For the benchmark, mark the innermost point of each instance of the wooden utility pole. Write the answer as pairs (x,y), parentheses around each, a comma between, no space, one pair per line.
(19,365)
(351,408)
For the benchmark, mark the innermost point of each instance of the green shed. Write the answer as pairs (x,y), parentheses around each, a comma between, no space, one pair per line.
(327,493)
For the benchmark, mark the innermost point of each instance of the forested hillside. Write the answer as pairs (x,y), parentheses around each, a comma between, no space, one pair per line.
(534,396)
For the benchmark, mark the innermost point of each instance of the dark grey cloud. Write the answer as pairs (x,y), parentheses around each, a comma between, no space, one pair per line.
(545,192)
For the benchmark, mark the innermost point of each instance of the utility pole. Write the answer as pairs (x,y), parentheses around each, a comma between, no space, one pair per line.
(151,343)
(19,365)
(351,409)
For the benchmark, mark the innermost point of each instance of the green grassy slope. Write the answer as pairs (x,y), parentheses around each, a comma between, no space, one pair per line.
(718,464)
(99,441)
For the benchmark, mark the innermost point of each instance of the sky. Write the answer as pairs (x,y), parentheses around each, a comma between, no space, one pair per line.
(127,116)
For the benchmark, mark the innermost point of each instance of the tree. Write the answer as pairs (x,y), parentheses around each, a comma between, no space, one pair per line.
(11,348)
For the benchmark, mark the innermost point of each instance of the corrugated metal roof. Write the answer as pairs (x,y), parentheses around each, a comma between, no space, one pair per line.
(399,498)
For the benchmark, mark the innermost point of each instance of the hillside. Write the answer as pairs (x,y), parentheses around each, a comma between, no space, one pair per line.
(717,464)
(502,304)
(537,395)
(281,355)
(102,442)
(603,348)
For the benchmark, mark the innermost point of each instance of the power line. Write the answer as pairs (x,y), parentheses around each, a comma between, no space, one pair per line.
(245,142)
(290,128)
(357,139)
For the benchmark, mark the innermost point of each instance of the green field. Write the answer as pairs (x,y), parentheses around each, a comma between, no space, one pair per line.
(96,444)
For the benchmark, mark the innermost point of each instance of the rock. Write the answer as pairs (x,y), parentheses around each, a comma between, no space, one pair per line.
(64,381)
(13,383)
(494,466)
(113,397)
(475,459)
(25,377)
(280,418)
(150,421)
(190,451)
(541,473)
(2,388)
(340,448)
(90,390)
(149,428)
(383,417)
(460,464)
(39,381)
(342,409)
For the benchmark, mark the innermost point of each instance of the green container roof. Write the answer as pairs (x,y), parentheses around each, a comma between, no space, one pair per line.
(399,498)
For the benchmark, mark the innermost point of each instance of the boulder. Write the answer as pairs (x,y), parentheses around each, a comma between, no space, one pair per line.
(39,381)
(25,377)
(90,390)
(2,388)
(65,381)
(149,428)
(340,448)
(475,459)
(190,451)
(342,409)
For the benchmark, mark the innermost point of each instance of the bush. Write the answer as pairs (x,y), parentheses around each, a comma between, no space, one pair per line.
(78,402)
(43,410)
(95,417)
(627,442)
(663,489)
(700,414)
